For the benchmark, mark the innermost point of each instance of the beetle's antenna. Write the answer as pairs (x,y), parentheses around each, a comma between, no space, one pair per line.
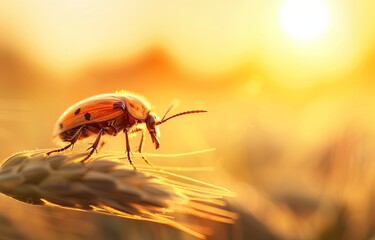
(179,114)
(173,104)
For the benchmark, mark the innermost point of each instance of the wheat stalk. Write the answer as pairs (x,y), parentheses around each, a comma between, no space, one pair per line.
(106,184)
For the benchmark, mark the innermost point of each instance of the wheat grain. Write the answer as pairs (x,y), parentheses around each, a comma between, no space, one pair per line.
(107,185)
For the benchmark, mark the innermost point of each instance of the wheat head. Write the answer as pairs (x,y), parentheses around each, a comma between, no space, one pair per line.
(106,184)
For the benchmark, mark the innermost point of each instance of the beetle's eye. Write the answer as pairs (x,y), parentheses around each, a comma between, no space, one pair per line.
(152,121)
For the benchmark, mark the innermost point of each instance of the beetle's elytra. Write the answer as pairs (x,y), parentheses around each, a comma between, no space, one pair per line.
(110,114)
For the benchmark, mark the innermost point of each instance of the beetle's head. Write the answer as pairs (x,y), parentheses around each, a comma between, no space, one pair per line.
(152,122)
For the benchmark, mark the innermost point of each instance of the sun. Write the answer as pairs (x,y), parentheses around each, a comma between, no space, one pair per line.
(304,20)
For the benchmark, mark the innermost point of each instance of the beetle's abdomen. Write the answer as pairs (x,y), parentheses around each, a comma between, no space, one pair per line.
(112,127)
(68,135)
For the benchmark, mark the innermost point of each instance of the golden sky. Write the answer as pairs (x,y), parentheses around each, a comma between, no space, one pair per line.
(298,43)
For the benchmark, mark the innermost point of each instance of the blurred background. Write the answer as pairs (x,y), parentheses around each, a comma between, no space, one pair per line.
(288,85)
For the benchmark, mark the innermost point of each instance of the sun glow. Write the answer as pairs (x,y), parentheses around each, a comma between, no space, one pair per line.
(304,19)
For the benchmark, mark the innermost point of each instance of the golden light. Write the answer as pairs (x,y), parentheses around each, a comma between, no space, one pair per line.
(304,19)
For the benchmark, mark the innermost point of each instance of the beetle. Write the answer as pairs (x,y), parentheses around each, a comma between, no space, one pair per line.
(110,114)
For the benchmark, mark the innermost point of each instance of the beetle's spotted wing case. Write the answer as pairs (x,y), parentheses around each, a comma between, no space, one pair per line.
(94,109)
(136,106)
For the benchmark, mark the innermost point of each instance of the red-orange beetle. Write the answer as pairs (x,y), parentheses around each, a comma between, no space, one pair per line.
(110,114)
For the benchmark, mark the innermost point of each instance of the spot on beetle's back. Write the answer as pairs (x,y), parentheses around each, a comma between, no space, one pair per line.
(77,111)
(87,116)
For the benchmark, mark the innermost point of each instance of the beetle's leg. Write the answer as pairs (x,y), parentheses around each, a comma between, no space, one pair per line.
(140,147)
(111,128)
(72,141)
(141,143)
(94,145)
(128,147)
